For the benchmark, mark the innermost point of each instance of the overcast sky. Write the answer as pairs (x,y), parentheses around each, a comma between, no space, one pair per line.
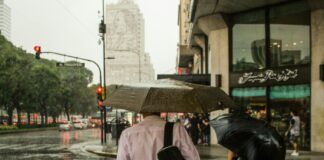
(71,27)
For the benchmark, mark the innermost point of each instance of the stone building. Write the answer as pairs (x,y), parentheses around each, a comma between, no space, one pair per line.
(267,55)
(125,42)
(5,20)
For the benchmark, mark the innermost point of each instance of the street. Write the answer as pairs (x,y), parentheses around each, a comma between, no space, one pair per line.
(69,145)
(50,144)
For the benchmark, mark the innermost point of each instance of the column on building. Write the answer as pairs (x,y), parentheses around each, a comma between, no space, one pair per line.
(201,40)
(216,29)
(317,86)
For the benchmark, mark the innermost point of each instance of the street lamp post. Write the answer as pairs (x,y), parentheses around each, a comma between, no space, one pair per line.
(102,30)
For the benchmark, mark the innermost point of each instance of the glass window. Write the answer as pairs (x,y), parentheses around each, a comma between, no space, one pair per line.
(249,41)
(289,35)
(252,100)
(288,98)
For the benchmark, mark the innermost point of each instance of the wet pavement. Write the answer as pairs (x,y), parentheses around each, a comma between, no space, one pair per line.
(50,144)
(76,144)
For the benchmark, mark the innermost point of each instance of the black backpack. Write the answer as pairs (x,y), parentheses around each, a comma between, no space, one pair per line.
(169,151)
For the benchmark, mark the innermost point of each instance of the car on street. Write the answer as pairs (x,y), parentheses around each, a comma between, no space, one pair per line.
(78,125)
(85,123)
(66,126)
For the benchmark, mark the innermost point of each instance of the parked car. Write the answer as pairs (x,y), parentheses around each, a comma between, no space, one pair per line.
(78,125)
(66,126)
(85,123)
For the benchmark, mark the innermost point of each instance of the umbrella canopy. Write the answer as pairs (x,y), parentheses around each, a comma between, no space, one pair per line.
(168,96)
(250,138)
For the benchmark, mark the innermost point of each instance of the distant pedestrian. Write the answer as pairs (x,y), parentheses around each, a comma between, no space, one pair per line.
(143,141)
(201,129)
(206,132)
(294,131)
(187,124)
(194,130)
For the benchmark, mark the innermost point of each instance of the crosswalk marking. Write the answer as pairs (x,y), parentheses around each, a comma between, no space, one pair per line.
(42,146)
(9,146)
(1,145)
(56,148)
(53,147)
(25,146)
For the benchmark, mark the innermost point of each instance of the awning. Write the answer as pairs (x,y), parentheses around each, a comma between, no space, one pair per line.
(186,55)
(203,79)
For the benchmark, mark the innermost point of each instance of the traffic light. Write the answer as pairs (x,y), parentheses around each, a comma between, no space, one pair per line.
(100,104)
(37,51)
(99,91)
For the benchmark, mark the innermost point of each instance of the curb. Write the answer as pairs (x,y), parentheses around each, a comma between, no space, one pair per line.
(28,130)
(106,154)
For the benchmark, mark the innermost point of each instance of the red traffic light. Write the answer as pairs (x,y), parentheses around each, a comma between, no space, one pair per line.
(37,49)
(100,103)
(99,90)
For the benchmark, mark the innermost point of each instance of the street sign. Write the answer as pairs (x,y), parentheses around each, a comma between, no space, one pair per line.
(108,108)
(60,64)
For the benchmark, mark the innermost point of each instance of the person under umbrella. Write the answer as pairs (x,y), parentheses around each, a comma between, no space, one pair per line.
(143,141)
(249,138)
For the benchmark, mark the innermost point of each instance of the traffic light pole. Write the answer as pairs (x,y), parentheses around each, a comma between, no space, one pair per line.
(103,124)
(102,29)
(88,60)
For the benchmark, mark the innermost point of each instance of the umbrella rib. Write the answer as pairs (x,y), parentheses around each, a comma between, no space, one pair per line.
(198,100)
(143,102)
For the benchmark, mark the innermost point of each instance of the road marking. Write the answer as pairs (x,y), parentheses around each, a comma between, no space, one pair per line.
(57,148)
(42,146)
(10,146)
(25,147)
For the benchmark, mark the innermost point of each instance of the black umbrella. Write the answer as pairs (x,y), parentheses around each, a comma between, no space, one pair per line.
(250,138)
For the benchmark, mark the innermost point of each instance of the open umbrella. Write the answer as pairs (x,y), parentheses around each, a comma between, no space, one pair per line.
(168,96)
(250,138)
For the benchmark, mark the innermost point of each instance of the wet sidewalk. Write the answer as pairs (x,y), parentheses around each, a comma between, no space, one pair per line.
(214,152)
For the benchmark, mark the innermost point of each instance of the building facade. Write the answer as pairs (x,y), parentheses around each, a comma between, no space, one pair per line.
(125,43)
(267,55)
(5,20)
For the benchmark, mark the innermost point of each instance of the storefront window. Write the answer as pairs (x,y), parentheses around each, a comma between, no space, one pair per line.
(252,100)
(249,41)
(276,38)
(285,99)
(290,39)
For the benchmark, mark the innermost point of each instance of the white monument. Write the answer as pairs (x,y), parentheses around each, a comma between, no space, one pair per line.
(125,42)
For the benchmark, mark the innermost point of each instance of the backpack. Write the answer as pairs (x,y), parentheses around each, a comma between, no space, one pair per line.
(169,151)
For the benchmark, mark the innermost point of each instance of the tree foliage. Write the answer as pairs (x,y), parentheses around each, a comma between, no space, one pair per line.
(38,86)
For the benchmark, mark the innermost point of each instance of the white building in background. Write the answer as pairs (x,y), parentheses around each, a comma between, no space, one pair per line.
(125,42)
(5,20)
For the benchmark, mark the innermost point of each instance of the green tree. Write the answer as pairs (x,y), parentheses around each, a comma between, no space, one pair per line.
(47,82)
(74,82)
(37,86)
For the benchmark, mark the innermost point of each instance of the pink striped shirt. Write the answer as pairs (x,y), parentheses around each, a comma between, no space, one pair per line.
(143,141)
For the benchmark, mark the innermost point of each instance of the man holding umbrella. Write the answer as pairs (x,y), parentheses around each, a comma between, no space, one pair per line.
(143,141)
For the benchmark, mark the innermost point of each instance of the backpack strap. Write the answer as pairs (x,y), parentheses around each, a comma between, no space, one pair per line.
(168,134)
